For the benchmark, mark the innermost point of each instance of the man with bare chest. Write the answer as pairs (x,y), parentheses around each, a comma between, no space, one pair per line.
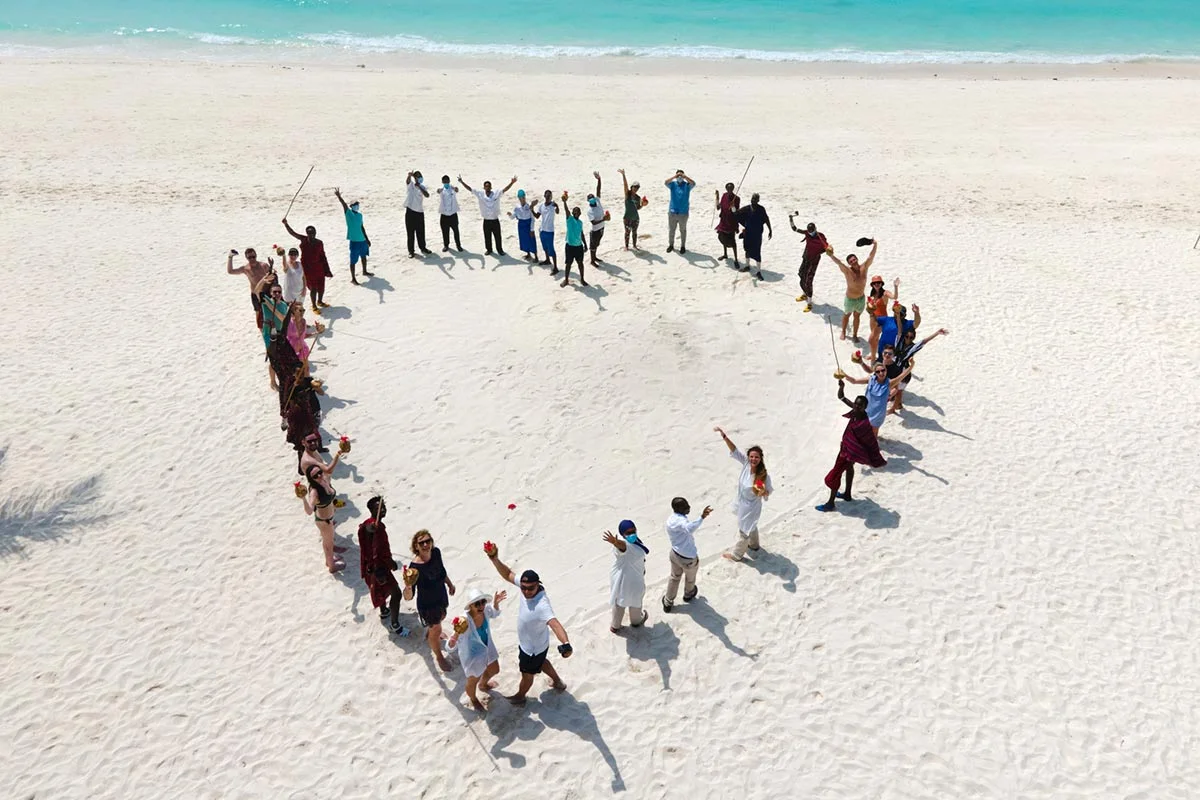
(856,287)
(255,270)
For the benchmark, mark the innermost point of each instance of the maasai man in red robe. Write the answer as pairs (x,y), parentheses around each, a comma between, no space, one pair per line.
(314,263)
(377,564)
(859,446)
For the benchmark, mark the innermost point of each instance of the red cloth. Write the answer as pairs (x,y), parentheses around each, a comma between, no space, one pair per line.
(814,246)
(859,446)
(314,262)
(375,560)
(728,219)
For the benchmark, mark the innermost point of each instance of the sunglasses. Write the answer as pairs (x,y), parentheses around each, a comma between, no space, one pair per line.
(424,542)
(529,587)
(480,603)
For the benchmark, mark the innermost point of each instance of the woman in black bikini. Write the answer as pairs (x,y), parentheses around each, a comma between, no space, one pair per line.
(426,575)
(320,503)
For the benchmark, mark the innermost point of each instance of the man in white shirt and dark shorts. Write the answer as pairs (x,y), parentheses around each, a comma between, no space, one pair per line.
(535,620)
(597,216)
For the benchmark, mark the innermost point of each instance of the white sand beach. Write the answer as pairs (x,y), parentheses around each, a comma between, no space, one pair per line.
(1008,609)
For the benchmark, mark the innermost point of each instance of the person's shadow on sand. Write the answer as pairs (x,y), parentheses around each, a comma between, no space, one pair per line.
(711,620)
(700,260)
(597,293)
(917,401)
(658,643)
(913,421)
(872,514)
(769,277)
(646,255)
(775,564)
(613,271)
(563,712)
(378,285)
(902,457)
(334,313)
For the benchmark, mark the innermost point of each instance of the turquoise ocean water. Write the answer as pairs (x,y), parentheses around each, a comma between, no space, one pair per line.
(937,31)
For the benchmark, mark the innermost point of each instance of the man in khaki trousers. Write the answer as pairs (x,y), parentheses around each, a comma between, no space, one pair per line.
(685,560)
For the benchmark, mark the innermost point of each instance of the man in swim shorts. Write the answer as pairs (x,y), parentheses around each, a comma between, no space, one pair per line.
(856,287)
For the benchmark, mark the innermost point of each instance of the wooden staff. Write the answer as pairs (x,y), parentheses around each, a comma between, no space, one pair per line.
(833,344)
(739,188)
(297,194)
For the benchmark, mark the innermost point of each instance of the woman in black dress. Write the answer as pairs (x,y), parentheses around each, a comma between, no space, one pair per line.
(426,577)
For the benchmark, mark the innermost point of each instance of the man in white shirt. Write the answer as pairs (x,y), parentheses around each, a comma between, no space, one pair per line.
(546,229)
(448,207)
(685,559)
(535,620)
(597,216)
(489,209)
(414,212)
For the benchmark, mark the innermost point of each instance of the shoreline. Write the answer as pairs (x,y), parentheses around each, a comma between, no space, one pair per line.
(1151,69)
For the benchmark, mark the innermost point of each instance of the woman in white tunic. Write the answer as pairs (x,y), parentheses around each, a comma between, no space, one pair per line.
(754,486)
(628,576)
(475,643)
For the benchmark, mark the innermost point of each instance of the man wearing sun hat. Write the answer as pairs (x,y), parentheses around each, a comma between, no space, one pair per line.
(535,620)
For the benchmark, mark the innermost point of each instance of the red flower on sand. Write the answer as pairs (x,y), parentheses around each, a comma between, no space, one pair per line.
(511,506)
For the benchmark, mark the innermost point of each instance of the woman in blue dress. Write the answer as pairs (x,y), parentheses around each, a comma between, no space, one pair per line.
(879,388)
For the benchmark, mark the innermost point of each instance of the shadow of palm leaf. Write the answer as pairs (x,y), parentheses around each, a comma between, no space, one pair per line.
(47,515)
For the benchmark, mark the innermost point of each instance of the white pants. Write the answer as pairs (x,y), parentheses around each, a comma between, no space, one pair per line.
(744,541)
(636,616)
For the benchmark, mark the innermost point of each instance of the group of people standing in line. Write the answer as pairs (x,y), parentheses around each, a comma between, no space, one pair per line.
(278,302)
(536,228)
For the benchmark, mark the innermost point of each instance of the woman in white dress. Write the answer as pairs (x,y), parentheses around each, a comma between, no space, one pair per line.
(628,576)
(754,486)
(476,646)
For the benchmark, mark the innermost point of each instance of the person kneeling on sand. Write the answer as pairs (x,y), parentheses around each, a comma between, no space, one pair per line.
(535,620)
(754,486)
(628,576)
(476,646)
(859,446)
(685,560)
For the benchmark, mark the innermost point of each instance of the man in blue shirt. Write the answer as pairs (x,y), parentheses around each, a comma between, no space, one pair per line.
(680,187)
(356,235)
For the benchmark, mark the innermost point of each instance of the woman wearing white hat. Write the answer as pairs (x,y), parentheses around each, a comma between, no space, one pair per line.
(476,646)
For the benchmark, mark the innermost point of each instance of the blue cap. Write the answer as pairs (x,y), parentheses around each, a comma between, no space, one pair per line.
(627,526)
(520,192)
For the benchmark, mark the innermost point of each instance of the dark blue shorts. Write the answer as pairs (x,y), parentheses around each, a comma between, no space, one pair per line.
(359,250)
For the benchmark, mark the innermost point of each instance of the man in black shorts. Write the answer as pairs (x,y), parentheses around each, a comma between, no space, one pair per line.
(535,620)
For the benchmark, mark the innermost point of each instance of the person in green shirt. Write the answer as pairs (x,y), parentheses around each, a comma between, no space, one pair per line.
(575,246)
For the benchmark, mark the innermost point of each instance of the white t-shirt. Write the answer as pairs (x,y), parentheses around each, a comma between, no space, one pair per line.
(596,215)
(489,207)
(533,615)
(522,212)
(293,284)
(546,224)
(415,200)
(449,201)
